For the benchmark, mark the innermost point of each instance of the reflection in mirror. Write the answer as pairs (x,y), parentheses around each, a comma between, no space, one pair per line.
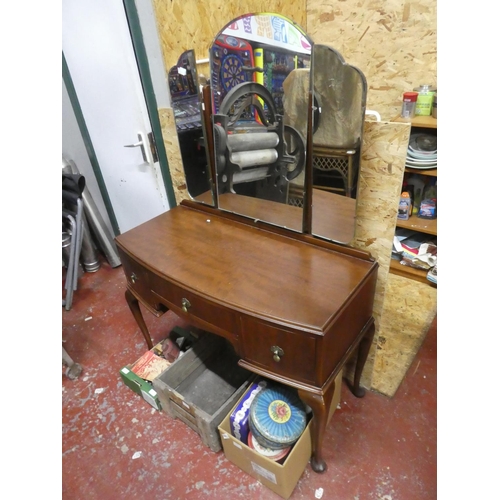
(340,104)
(259,149)
(184,91)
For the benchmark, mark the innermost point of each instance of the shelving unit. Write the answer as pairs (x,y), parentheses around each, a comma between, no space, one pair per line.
(414,223)
(419,121)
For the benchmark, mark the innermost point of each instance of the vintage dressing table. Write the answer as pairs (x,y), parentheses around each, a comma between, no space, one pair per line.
(267,276)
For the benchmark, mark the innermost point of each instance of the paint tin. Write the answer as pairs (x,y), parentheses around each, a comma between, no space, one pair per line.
(275,455)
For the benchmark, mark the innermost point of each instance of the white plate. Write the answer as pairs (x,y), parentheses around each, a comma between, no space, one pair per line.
(418,152)
(419,156)
(421,162)
(423,142)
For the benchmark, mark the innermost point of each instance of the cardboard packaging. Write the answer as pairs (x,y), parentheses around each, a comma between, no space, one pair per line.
(238,419)
(280,478)
(141,387)
(139,375)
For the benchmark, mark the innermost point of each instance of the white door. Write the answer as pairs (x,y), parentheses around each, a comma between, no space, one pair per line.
(101,60)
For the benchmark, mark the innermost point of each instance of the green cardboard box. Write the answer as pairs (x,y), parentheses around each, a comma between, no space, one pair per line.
(141,387)
(145,387)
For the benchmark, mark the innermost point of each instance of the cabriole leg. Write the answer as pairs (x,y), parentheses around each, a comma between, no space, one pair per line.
(133,304)
(364,348)
(320,406)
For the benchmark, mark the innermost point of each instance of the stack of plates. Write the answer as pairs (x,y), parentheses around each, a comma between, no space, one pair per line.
(422,151)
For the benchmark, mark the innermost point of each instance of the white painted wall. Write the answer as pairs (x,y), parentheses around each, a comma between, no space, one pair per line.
(73,148)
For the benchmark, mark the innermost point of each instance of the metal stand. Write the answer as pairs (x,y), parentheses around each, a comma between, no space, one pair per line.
(74,369)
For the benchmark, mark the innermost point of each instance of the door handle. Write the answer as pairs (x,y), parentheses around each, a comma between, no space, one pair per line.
(144,145)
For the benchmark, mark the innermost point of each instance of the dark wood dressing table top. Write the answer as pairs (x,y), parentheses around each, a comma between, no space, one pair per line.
(333,215)
(270,275)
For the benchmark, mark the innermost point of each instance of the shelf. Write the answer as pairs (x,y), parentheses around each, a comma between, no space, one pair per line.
(409,272)
(419,121)
(432,172)
(428,226)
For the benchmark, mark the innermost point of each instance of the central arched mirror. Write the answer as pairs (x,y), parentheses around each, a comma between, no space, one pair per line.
(283,133)
(259,150)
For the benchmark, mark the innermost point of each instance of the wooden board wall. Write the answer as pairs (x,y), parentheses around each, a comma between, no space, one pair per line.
(191,24)
(381,175)
(408,311)
(393,42)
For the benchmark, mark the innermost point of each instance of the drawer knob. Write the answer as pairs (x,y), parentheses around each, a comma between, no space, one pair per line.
(133,278)
(185,305)
(277,353)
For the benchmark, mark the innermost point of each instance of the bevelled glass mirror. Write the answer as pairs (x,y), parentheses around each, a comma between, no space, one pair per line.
(186,104)
(259,145)
(272,92)
(339,112)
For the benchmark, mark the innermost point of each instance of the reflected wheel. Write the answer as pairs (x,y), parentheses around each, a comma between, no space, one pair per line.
(245,96)
(295,147)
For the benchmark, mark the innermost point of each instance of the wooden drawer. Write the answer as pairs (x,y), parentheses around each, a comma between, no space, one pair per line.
(202,312)
(138,277)
(298,358)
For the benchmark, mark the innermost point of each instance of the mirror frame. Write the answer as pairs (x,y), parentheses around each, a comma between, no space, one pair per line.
(297,39)
(212,198)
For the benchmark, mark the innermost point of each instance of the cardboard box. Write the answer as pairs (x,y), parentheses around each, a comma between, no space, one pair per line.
(202,386)
(140,386)
(143,385)
(149,366)
(280,478)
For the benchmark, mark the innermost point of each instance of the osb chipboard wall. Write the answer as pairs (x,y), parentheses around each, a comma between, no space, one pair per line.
(172,148)
(408,311)
(381,174)
(191,24)
(393,42)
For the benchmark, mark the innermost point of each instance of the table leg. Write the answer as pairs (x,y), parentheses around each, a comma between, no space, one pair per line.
(320,405)
(364,348)
(133,304)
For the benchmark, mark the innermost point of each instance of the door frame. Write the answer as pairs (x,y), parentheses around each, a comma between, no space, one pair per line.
(149,94)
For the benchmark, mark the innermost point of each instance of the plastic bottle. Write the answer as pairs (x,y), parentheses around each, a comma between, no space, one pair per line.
(409,104)
(418,184)
(405,206)
(430,191)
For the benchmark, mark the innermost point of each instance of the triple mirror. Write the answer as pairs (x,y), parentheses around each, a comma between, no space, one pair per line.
(285,128)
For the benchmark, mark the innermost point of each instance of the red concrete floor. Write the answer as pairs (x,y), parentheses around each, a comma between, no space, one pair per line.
(116,446)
